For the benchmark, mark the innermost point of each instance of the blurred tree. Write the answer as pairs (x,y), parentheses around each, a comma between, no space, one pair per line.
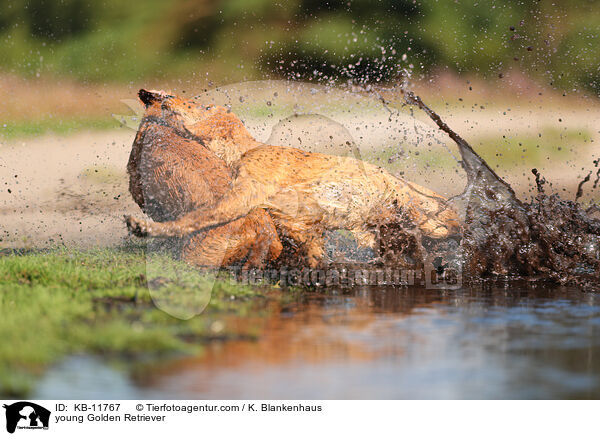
(359,40)
(55,20)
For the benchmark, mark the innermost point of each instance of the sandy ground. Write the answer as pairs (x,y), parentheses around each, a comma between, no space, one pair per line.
(74,190)
(70,190)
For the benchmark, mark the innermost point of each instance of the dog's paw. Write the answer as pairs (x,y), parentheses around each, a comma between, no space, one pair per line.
(136,226)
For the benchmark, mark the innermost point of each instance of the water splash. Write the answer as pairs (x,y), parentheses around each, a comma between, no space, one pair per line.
(547,238)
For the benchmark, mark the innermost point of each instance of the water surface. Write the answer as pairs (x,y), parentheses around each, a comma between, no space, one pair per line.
(380,343)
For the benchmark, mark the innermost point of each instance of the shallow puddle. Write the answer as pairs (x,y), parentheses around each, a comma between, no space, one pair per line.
(381,343)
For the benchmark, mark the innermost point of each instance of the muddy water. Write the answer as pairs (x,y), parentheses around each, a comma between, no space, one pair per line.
(514,342)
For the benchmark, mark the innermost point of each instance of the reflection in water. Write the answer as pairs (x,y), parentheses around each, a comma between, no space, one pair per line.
(389,343)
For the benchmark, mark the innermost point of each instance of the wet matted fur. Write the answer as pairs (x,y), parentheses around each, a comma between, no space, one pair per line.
(305,193)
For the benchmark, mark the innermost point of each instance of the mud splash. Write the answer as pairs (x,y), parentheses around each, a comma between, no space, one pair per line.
(547,238)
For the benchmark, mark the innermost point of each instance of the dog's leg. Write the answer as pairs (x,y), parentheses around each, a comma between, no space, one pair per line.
(423,207)
(315,250)
(310,239)
(245,196)
(253,237)
(266,245)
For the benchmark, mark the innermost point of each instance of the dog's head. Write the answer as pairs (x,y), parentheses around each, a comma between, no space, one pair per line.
(179,112)
(188,114)
(152,101)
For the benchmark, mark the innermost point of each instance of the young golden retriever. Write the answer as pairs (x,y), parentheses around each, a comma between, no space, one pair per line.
(305,193)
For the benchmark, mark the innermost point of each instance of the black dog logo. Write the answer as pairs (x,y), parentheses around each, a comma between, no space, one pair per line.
(25,414)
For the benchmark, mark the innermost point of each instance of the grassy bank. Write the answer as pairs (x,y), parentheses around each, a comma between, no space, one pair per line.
(57,303)
(499,151)
(12,130)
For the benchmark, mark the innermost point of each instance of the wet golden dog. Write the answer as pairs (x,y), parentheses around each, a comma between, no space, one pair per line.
(305,193)
(173,173)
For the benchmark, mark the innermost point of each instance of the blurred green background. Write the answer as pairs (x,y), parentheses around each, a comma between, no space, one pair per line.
(555,43)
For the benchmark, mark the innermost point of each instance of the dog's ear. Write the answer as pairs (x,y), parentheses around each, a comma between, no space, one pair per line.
(149,97)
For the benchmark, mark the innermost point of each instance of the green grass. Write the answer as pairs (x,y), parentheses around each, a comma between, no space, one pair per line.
(532,149)
(10,130)
(61,302)
(509,151)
